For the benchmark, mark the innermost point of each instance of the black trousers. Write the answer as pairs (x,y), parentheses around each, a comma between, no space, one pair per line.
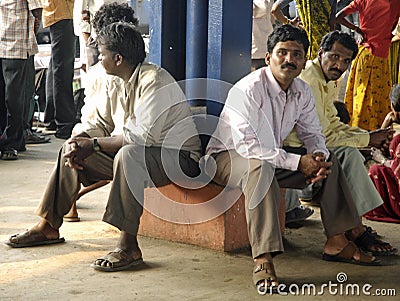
(12,103)
(59,97)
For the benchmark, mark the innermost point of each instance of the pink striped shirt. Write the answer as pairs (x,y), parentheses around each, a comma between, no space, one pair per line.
(258,115)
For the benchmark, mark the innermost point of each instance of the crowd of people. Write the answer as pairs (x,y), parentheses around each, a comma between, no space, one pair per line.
(278,128)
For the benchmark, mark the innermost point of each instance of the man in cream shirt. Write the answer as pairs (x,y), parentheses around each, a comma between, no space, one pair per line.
(150,149)
(337,51)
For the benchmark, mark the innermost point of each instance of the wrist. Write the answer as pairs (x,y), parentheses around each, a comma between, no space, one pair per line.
(96,145)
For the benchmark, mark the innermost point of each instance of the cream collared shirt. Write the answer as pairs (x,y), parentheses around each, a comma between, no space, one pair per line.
(149,110)
(336,132)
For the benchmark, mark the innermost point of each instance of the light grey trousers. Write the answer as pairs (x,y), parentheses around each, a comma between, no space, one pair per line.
(124,206)
(261,186)
(363,191)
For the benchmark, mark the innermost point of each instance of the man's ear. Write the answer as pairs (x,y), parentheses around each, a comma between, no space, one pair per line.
(320,52)
(267,58)
(305,62)
(118,59)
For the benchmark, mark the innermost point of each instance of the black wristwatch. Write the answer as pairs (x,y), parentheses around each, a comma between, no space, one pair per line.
(96,145)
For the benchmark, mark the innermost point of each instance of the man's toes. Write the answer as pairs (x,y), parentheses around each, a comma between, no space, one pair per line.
(106,264)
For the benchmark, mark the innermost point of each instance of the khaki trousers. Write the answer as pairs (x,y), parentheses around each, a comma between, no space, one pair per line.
(124,206)
(260,185)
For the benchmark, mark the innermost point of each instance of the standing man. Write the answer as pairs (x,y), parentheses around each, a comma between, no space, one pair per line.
(19,20)
(260,111)
(159,138)
(335,55)
(60,110)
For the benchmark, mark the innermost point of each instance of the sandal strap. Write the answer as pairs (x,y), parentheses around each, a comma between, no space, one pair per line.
(350,249)
(366,240)
(115,256)
(365,258)
(264,271)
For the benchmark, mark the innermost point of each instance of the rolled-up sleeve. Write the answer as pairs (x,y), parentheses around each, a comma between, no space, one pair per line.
(102,124)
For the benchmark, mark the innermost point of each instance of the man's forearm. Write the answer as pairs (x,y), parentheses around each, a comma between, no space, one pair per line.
(110,144)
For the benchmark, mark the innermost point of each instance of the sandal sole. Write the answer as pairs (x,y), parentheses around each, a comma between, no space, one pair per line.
(336,258)
(121,268)
(35,243)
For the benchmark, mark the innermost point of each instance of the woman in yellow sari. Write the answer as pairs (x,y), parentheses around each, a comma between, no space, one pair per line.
(369,83)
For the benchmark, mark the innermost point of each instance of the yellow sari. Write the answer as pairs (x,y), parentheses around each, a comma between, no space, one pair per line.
(394,62)
(368,88)
(315,18)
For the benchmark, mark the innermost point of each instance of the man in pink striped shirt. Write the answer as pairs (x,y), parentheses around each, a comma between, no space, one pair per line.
(259,113)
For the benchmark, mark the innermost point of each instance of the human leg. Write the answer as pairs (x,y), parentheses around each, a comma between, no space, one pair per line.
(365,196)
(60,193)
(62,68)
(13,71)
(367,92)
(136,167)
(339,214)
(363,191)
(262,197)
(30,136)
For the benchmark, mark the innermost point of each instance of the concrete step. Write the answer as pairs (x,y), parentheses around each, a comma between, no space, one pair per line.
(211,216)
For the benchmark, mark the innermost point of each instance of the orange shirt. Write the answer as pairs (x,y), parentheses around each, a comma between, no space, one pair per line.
(56,10)
(377,20)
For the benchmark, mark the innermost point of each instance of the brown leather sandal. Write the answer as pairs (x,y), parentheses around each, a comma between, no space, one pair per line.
(347,256)
(117,260)
(264,278)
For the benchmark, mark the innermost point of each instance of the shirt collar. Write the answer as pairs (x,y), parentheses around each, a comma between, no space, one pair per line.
(321,76)
(134,76)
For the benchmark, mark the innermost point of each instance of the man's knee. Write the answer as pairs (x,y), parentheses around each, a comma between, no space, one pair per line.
(354,155)
(131,152)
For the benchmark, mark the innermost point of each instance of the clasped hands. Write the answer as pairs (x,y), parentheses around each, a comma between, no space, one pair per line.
(314,167)
(79,149)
